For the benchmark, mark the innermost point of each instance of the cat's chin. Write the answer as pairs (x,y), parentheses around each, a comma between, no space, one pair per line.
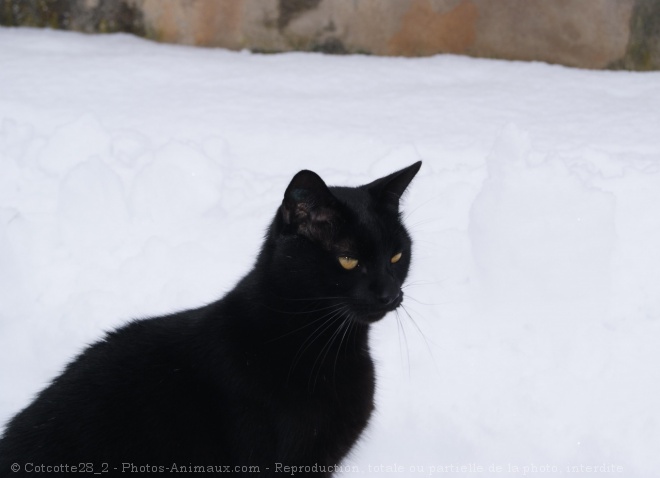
(371,317)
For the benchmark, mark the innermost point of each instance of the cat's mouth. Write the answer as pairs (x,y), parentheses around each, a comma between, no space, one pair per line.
(373,314)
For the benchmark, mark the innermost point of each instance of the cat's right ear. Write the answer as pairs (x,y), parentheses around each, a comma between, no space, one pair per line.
(309,206)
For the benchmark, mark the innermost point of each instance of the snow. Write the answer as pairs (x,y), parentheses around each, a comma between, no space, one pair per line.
(138,178)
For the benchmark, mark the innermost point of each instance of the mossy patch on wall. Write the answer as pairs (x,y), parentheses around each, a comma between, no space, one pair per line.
(290,9)
(79,15)
(36,13)
(643,52)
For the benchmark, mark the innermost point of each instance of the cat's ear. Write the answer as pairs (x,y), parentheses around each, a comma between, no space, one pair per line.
(388,190)
(309,206)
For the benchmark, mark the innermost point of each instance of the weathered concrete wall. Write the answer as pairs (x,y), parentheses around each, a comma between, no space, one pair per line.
(582,33)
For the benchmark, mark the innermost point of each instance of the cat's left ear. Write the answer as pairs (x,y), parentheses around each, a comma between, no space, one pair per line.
(388,190)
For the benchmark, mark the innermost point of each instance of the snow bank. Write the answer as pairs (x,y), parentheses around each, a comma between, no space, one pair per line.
(137,179)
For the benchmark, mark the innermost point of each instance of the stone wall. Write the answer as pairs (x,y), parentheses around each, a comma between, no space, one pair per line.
(581,33)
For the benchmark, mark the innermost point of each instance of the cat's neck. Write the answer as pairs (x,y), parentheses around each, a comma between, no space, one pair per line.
(289,322)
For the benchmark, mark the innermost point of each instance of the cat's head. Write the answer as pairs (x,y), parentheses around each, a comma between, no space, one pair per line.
(342,249)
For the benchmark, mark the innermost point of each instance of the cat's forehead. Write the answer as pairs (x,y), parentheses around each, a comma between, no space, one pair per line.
(370,226)
(360,203)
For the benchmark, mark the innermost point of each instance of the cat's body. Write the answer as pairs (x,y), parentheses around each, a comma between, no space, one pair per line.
(275,374)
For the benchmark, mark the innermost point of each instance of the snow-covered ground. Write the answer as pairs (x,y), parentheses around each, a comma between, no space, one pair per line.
(137,179)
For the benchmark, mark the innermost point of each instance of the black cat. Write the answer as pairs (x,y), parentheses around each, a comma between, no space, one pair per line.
(274,378)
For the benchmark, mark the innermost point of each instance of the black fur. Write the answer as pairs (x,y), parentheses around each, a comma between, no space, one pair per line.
(277,371)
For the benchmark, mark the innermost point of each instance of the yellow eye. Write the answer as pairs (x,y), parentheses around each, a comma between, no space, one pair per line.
(348,263)
(395,258)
